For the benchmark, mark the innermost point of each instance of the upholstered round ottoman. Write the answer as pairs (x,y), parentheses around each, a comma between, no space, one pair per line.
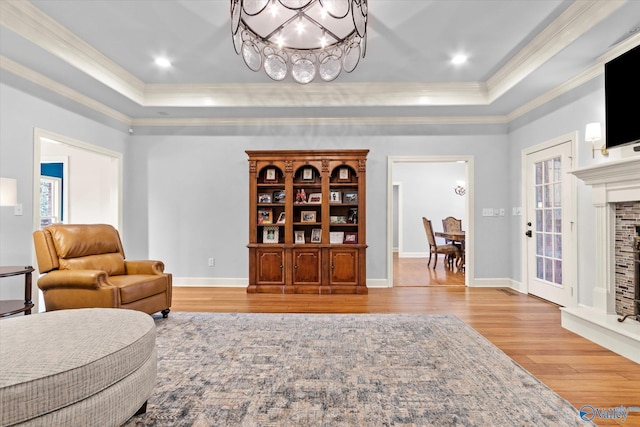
(84,367)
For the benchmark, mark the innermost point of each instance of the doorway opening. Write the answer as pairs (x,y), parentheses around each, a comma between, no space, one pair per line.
(427,186)
(86,186)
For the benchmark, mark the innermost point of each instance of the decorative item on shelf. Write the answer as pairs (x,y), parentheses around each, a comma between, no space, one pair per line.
(270,234)
(343,174)
(308,216)
(301,196)
(307,38)
(280,218)
(593,133)
(315,198)
(316,235)
(338,219)
(350,237)
(460,190)
(264,198)
(270,175)
(299,236)
(351,197)
(336,237)
(307,174)
(353,216)
(335,196)
(279,196)
(265,216)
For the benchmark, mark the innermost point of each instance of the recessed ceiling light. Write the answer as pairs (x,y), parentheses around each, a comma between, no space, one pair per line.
(459,59)
(163,62)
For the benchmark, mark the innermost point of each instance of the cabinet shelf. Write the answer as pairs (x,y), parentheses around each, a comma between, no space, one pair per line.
(327,255)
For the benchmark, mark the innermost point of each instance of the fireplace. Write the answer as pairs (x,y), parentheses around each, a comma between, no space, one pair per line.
(615,191)
(628,305)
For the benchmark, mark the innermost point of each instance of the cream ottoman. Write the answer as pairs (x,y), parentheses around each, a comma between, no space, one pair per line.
(84,367)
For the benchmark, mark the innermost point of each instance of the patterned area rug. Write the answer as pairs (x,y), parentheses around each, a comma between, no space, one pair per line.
(227,369)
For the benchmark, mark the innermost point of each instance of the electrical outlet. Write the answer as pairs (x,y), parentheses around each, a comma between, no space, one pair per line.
(212,262)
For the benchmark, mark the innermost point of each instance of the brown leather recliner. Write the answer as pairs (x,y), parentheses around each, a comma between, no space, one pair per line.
(86,267)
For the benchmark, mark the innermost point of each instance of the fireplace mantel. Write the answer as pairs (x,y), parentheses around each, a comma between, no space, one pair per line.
(611,182)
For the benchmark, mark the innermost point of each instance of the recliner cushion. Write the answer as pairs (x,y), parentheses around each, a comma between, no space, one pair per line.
(139,286)
(88,247)
(112,264)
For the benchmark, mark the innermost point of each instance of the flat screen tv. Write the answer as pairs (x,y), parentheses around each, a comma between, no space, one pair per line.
(622,98)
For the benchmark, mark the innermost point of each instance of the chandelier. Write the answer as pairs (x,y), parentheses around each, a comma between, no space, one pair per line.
(301,38)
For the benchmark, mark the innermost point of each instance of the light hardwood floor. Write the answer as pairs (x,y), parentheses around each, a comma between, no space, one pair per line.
(526,328)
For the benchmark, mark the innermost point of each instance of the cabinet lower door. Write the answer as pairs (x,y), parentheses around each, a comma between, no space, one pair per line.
(306,267)
(344,267)
(270,266)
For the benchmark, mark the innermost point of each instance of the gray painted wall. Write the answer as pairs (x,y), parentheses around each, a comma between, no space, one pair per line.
(186,196)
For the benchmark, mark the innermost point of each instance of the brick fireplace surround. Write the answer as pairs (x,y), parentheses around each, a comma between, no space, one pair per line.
(615,189)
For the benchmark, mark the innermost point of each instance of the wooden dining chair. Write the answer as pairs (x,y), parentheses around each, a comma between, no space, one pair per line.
(450,224)
(451,252)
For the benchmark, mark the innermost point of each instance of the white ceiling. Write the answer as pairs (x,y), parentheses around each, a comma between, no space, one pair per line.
(96,56)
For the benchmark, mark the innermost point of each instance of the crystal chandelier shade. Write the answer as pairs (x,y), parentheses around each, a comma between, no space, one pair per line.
(301,38)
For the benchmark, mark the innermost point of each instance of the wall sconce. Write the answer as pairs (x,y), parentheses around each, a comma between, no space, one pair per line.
(460,190)
(8,192)
(593,133)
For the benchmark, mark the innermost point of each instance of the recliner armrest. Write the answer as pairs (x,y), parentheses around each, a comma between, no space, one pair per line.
(144,267)
(83,279)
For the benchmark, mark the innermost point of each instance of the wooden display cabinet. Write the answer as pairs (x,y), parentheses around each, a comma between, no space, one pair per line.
(307,220)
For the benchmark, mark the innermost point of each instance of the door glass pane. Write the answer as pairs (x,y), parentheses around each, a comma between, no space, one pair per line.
(548,228)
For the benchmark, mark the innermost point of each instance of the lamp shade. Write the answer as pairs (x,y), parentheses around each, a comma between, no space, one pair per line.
(593,132)
(8,192)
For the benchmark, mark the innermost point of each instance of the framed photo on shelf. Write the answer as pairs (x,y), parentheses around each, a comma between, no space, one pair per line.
(353,216)
(278,196)
(315,198)
(351,197)
(338,219)
(270,175)
(336,237)
(280,218)
(343,174)
(308,216)
(271,234)
(350,237)
(299,236)
(307,174)
(335,196)
(265,216)
(264,198)
(316,235)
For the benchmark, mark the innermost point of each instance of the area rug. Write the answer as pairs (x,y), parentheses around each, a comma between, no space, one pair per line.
(230,369)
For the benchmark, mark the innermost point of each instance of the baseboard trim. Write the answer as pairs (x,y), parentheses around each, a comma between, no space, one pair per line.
(498,282)
(210,282)
(222,282)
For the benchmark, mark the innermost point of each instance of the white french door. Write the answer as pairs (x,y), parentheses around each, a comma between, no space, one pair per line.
(549,224)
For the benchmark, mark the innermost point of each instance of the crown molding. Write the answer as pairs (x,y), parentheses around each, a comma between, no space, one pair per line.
(28,21)
(65,91)
(310,121)
(577,19)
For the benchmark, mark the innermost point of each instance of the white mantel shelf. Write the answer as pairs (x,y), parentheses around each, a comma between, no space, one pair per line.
(612,182)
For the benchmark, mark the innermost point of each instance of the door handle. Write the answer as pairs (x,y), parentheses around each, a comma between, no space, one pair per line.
(528,233)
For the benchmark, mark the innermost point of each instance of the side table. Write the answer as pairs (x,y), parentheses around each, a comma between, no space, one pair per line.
(11,307)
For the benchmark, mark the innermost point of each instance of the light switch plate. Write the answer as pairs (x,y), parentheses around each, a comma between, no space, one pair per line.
(17,209)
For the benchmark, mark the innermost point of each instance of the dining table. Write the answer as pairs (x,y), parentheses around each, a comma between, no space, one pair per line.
(455,237)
